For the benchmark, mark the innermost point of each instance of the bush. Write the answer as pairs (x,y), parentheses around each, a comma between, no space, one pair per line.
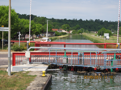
(17,48)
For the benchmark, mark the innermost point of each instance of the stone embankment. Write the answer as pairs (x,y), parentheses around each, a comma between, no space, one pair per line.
(39,83)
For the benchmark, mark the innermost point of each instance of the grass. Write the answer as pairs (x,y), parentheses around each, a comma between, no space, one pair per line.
(17,81)
(97,39)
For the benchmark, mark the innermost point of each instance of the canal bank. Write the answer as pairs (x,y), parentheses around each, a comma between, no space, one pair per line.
(100,39)
(40,82)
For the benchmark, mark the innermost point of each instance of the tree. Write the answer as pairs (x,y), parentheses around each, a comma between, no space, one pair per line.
(40,20)
(39,28)
(77,27)
(23,26)
(74,32)
(80,31)
(4,20)
(65,27)
(49,28)
(103,30)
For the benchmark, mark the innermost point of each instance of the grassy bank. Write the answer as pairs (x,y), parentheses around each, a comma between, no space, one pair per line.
(97,39)
(17,81)
(57,37)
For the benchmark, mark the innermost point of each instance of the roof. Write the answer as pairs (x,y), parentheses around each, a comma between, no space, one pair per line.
(54,29)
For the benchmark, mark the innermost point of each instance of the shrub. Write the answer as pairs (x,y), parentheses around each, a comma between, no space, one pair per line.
(17,48)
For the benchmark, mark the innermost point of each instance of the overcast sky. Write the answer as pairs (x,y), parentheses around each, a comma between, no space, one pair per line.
(69,9)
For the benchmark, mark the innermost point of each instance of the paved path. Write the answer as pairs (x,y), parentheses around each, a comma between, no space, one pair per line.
(4,58)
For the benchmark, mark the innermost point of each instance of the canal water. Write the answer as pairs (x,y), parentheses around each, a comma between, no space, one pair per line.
(74,81)
(74,39)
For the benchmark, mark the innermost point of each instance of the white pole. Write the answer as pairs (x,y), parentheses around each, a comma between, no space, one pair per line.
(118,23)
(47,30)
(30,22)
(9,41)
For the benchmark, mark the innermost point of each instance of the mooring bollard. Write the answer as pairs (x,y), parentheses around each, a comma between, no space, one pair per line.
(43,74)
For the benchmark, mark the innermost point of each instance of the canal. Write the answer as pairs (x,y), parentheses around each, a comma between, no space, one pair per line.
(74,39)
(71,80)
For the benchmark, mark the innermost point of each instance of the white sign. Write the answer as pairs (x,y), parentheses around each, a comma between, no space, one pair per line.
(4,29)
(106,35)
(27,54)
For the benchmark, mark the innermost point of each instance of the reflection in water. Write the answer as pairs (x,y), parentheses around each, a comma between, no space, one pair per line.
(74,81)
(74,39)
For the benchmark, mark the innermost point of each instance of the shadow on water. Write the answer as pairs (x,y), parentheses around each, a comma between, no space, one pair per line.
(74,81)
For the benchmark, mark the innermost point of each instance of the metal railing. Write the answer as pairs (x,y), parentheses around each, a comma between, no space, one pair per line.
(85,57)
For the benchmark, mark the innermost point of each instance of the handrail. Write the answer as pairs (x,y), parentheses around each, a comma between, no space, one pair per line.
(85,49)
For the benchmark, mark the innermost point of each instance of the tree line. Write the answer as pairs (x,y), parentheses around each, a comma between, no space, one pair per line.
(74,24)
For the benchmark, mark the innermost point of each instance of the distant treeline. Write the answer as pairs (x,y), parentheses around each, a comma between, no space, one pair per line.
(74,24)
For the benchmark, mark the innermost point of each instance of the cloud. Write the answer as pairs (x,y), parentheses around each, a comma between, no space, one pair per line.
(85,9)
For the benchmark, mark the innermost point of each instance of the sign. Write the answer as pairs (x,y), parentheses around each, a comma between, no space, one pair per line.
(4,29)
(106,35)
(27,54)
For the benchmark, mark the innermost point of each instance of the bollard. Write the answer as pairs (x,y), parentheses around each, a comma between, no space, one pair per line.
(43,74)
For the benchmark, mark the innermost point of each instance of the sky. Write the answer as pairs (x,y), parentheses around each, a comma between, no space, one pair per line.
(69,9)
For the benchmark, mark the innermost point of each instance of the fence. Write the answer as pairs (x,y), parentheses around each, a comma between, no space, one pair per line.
(104,58)
(75,45)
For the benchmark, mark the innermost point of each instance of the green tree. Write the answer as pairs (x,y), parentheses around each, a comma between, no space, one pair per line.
(74,32)
(40,20)
(23,26)
(4,20)
(65,27)
(39,28)
(80,31)
(103,30)
(77,27)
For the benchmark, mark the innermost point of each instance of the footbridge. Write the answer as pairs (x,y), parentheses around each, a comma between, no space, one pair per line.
(76,56)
